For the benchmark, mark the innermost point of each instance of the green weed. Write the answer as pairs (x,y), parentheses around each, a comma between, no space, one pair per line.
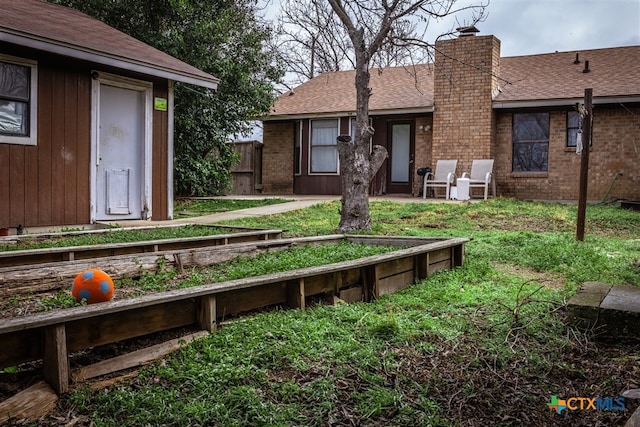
(199,207)
(483,344)
(62,299)
(114,235)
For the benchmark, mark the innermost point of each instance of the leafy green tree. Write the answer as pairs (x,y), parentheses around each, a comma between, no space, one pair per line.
(224,38)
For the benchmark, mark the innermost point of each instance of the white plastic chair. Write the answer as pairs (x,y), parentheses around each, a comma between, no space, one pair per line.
(444,176)
(481,176)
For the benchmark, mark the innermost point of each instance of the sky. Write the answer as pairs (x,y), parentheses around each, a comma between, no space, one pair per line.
(527,27)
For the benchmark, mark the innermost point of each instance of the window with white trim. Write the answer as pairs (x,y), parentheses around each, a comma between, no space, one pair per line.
(324,146)
(18,80)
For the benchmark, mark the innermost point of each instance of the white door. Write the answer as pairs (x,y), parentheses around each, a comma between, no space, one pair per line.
(120,152)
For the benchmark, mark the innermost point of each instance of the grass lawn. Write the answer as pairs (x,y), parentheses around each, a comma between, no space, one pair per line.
(482,345)
(111,236)
(185,208)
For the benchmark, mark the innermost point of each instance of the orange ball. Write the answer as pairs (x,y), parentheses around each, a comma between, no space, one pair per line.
(92,286)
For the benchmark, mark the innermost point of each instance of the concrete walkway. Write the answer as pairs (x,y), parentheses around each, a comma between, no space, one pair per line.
(294,203)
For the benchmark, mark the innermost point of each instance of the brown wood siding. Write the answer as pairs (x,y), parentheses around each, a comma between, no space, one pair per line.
(48,184)
(344,126)
(82,168)
(160,176)
(300,182)
(70,206)
(5,195)
(16,183)
(319,184)
(31,181)
(45,93)
(327,184)
(56,107)
(324,184)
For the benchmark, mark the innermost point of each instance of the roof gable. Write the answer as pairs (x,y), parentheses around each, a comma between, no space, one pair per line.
(68,32)
(406,88)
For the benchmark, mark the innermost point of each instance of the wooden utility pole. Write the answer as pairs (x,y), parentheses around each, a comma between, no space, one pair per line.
(584,162)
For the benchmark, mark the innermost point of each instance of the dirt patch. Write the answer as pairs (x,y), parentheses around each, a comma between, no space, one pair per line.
(550,280)
(486,390)
(469,384)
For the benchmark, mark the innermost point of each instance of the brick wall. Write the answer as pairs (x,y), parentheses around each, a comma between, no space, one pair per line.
(277,158)
(423,147)
(615,151)
(465,81)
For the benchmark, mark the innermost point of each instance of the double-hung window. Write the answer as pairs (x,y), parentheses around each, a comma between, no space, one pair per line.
(324,146)
(17,101)
(530,142)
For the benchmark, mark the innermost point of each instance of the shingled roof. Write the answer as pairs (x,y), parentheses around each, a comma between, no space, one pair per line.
(533,80)
(52,28)
(554,77)
(399,88)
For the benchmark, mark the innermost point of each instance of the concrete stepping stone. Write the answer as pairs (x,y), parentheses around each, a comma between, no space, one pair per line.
(612,311)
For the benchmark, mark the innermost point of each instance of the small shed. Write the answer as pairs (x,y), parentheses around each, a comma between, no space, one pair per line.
(86,119)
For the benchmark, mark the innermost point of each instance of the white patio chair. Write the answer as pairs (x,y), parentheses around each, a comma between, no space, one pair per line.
(443,177)
(481,176)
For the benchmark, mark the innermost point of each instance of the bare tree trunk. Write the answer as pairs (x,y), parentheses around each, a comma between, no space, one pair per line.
(354,155)
(354,171)
(357,171)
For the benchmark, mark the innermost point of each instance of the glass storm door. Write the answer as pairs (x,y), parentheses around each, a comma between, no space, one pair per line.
(400,159)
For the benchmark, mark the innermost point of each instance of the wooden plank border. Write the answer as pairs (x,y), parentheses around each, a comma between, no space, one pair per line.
(53,275)
(54,335)
(74,253)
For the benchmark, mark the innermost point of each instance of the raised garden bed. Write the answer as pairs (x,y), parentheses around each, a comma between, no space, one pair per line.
(39,270)
(53,336)
(11,255)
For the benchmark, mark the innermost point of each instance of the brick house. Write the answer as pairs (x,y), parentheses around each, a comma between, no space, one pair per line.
(86,120)
(469,104)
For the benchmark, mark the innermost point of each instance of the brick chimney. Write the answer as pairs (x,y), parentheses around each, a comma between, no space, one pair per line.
(464,124)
